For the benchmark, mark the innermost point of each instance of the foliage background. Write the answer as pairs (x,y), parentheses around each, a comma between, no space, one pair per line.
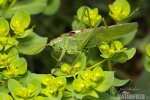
(60,22)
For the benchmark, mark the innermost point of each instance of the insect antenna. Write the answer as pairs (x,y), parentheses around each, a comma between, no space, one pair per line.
(83,15)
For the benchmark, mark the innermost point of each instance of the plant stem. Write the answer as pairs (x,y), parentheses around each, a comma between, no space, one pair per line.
(110,67)
(97,64)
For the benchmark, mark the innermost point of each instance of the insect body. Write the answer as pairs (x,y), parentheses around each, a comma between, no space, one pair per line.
(71,33)
(72,42)
(75,43)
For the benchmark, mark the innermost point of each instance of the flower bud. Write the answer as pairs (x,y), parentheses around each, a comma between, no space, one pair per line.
(117,45)
(65,68)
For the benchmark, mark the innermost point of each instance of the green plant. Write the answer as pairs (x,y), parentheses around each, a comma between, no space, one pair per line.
(78,74)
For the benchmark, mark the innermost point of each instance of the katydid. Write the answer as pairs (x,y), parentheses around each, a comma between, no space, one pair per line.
(75,41)
(70,44)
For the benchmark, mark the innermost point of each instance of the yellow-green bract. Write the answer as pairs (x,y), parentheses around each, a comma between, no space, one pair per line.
(4,27)
(20,21)
(119,10)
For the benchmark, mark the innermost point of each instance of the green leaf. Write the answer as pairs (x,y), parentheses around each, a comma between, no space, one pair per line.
(92,93)
(32,44)
(32,6)
(120,32)
(58,97)
(4,26)
(76,25)
(14,86)
(52,7)
(72,92)
(13,52)
(119,57)
(130,53)
(4,87)
(106,82)
(5,96)
(40,98)
(118,82)
(90,98)
(105,96)
(148,50)
(2,3)
(147,63)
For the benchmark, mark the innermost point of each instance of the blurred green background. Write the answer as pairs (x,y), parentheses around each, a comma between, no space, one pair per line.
(52,26)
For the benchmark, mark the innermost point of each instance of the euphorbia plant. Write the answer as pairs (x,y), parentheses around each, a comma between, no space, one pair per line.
(85,56)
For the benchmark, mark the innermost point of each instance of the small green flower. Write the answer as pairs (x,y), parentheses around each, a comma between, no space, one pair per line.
(61,82)
(3,40)
(17,67)
(52,85)
(7,42)
(108,50)
(88,79)
(20,21)
(46,79)
(11,42)
(27,92)
(91,16)
(119,10)
(7,57)
(5,60)
(79,85)
(65,68)
(97,74)
(86,75)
